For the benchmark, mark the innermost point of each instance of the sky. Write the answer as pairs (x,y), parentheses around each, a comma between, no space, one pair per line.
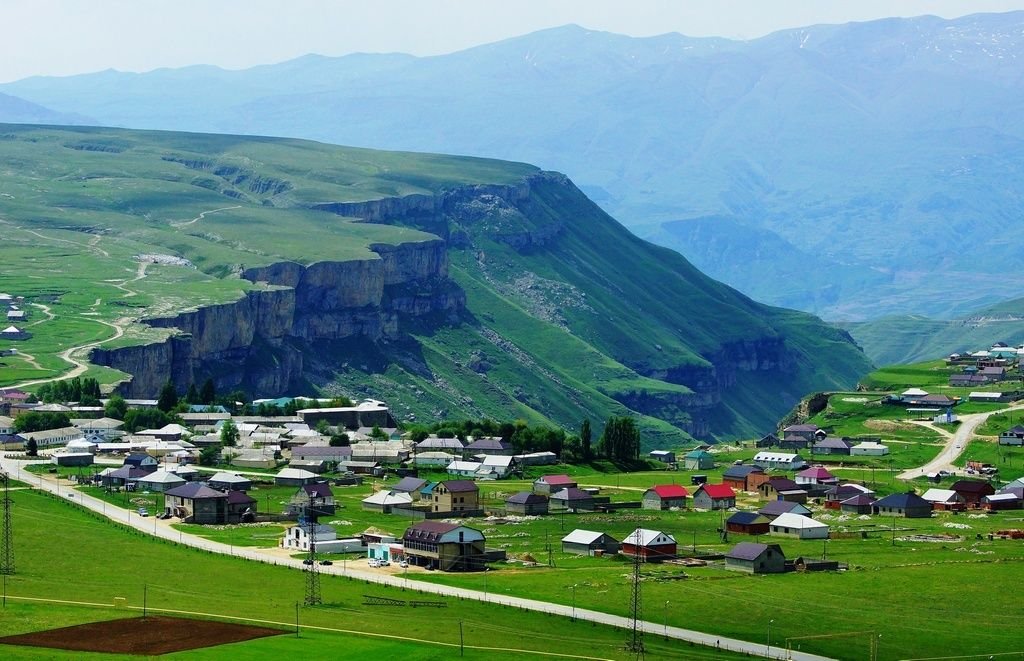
(65,37)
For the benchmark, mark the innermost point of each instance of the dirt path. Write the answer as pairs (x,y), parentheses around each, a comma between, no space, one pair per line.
(46,310)
(204,215)
(68,355)
(956,443)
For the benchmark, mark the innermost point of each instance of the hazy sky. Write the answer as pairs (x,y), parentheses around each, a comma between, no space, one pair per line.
(62,37)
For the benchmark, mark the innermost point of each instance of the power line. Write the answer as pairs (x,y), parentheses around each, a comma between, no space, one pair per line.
(313,596)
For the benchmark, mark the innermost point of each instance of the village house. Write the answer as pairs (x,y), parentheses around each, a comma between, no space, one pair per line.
(495,466)
(973,491)
(315,499)
(103,428)
(141,460)
(714,497)
(831,445)
(325,539)
(385,501)
(945,500)
(665,496)
(435,444)
(816,475)
(53,437)
(664,456)
(698,460)
(159,481)
(908,505)
(295,477)
(860,504)
(650,545)
(490,446)
(194,502)
(456,496)
(797,525)
(748,523)
(588,542)
(224,481)
(444,546)
(1012,436)
(767,441)
(792,442)
(869,449)
(1006,500)
(775,487)
(756,558)
(526,503)
(780,460)
(840,492)
(410,485)
(551,483)
(468,469)
(241,507)
(809,433)
(327,454)
(571,499)
(777,508)
(744,477)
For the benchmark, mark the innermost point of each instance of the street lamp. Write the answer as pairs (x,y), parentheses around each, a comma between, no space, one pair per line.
(666,619)
(768,653)
(573,588)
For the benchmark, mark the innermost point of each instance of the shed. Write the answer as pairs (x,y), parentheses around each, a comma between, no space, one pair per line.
(756,558)
(588,542)
(945,499)
(779,507)
(664,456)
(384,501)
(869,448)
(572,499)
(527,503)
(859,504)
(649,545)
(748,523)
(798,525)
(1001,501)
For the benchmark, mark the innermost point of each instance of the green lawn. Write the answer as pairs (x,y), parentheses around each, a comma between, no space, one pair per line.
(96,561)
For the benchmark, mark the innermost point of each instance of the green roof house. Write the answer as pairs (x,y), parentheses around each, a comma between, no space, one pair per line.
(698,460)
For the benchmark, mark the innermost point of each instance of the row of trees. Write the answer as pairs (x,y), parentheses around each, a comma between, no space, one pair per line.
(84,391)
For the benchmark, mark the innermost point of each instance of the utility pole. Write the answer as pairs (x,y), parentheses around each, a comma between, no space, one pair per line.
(462,641)
(313,597)
(636,641)
(7,550)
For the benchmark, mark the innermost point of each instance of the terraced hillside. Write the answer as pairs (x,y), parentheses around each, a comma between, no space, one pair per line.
(448,286)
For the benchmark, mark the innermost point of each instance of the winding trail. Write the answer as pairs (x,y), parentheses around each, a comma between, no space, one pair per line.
(956,442)
(204,214)
(163,529)
(46,310)
(68,355)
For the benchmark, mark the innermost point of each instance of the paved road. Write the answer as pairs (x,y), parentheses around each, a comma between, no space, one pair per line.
(956,443)
(159,528)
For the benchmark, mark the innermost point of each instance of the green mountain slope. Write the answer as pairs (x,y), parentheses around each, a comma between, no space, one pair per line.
(909,339)
(447,286)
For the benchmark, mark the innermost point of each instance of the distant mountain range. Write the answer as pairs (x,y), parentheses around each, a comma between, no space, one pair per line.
(14,110)
(854,171)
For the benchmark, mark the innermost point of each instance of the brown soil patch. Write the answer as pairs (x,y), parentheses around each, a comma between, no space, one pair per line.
(887,425)
(136,635)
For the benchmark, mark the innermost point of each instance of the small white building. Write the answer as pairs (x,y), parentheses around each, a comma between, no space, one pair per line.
(869,448)
(383,501)
(464,468)
(325,538)
(780,460)
(53,437)
(433,459)
(798,525)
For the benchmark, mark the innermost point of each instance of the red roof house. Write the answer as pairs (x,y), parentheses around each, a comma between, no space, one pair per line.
(665,496)
(714,497)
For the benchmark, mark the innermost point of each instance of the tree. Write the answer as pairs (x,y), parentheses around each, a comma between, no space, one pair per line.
(41,421)
(192,394)
(209,455)
(378,433)
(621,439)
(208,393)
(323,428)
(116,407)
(168,398)
(229,434)
(585,437)
(136,419)
(31,447)
(339,440)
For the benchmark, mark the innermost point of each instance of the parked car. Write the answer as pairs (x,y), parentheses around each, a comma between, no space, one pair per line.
(403,564)
(143,511)
(326,562)
(307,561)
(373,563)
(383,563)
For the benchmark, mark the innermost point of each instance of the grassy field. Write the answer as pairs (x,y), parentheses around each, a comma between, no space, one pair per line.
(176,577)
